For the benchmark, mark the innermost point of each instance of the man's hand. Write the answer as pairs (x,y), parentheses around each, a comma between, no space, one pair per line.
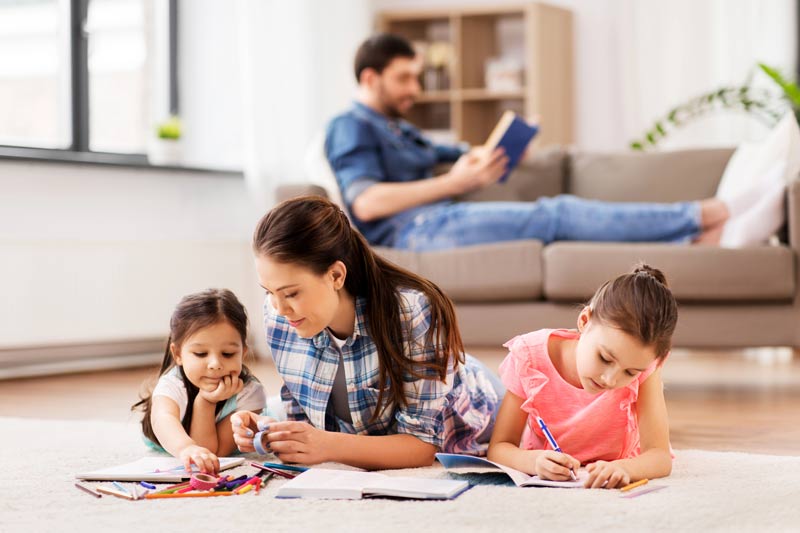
(477,169)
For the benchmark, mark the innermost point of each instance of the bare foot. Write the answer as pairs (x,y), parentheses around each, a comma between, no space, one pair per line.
(710,236)
(713,212)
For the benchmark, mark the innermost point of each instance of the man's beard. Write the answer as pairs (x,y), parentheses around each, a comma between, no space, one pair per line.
(389,107)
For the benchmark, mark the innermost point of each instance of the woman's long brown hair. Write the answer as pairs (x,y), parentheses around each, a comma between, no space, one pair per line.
(193,313)
(315,233)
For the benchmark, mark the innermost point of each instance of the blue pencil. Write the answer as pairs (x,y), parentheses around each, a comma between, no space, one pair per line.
(282,466)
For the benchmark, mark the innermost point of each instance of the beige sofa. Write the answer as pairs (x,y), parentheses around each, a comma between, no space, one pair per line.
(728,297)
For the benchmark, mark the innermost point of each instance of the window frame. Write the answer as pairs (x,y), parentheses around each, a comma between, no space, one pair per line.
(78,150)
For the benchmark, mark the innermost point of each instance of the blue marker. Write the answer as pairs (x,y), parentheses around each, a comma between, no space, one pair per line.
(552,441)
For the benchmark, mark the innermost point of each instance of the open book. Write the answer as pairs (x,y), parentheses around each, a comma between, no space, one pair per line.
(468,464)
(153,469)
(352,485)
(513,134)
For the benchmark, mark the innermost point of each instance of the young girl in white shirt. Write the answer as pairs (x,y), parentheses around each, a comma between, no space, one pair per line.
(202,381)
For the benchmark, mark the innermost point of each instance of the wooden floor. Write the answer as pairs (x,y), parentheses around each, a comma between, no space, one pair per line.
(718,400)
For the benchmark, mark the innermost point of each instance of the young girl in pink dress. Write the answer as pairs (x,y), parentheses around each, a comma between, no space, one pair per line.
(598,389)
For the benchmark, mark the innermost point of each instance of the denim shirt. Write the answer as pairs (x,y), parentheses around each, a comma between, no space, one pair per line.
(365,147)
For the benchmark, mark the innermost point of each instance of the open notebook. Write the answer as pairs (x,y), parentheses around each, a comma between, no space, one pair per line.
(353,485)
(468,464)
(153,469)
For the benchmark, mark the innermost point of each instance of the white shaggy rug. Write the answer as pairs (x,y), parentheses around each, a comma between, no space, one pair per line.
(707,491)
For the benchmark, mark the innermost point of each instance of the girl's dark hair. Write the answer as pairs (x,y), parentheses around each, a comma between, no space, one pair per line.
(193,313)
(640,304)
(315,233)
(379,50)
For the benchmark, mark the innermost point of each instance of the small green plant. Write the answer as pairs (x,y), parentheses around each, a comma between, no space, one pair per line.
(765,105)
(169,129)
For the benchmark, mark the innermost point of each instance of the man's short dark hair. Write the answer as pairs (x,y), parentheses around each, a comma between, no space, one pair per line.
(379,50)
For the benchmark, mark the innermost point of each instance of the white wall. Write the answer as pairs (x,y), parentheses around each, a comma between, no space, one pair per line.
(93,253)
(210,84)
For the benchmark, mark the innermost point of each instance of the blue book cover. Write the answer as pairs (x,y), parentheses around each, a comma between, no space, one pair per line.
(513,134)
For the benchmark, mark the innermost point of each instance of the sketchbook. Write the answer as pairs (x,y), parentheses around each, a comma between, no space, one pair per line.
(153,469)
(353,485)
(468,464)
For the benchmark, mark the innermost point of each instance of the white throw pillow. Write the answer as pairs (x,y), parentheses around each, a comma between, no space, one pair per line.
(754,181)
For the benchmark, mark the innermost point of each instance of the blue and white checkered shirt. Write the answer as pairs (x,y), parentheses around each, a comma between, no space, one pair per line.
(451,415)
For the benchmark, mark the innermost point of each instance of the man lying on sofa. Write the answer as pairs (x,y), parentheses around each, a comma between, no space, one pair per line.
(384,169)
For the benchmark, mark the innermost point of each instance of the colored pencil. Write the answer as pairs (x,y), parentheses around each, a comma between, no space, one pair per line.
(282,466)
(88,490)
(639,483)
(274,471)
(116,493)
(187,495)
(244,489)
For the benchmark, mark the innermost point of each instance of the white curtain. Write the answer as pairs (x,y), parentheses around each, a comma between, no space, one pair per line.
(668,52)
(296,74)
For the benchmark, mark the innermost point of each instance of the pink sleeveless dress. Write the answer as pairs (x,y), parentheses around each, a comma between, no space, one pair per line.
(589,427)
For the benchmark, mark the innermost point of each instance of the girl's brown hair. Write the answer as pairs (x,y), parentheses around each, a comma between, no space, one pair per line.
(640,304)
(193,313)
(315,233)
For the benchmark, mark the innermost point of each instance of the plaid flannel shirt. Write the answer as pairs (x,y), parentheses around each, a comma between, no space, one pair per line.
(450,415)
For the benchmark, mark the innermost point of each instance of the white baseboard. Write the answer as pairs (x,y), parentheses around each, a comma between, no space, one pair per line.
(33,361)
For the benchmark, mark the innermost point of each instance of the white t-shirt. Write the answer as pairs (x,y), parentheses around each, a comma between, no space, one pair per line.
(252,397)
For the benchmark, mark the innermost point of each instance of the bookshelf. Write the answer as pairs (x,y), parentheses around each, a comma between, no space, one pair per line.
(480,61)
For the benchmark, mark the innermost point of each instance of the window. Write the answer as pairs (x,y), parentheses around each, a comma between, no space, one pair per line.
(34,74)
(87,77)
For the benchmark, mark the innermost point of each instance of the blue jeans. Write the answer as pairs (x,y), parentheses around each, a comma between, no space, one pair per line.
(561,218)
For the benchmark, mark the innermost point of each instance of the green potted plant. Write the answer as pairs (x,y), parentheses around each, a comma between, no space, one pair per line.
(767,106)
(165,147)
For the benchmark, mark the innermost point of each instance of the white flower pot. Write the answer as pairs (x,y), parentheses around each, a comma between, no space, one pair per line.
(164,152)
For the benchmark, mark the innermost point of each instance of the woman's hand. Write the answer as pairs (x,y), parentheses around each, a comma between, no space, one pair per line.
(555,465)
(226,388)
(245,426)
(205,460)
(603,474)
(298,442)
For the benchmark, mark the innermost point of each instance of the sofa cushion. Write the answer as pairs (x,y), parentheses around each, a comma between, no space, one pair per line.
(574,270)
(648,177)
(506,271)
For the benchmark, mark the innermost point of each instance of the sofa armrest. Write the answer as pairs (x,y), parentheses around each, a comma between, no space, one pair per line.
(286,192)
(793,215)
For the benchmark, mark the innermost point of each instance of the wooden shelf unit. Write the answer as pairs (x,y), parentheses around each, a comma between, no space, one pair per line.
(538,36)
